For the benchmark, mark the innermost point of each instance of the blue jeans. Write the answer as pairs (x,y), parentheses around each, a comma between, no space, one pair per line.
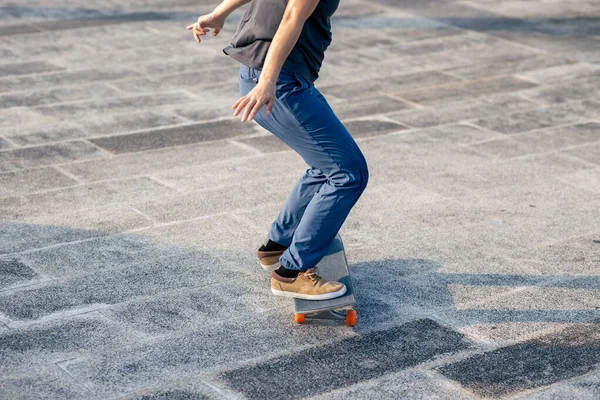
(337,175)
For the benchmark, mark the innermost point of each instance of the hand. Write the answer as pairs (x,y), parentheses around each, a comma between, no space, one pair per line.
(211,20)
(263,93)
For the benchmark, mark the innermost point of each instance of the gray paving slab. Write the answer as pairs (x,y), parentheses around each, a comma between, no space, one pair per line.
(196,353)
(464,90)
(173,136)
(28,68)
(534,363)
(543,117)
(132,206)
(408,384)
(155,161)
(35,156)
(58,95)
(50,383)
(32,348)
(5,144)
(32,180)
(99,125)
(42,231)
(80,197)
(348,361)
(588,152)
(62,78)
(462,110)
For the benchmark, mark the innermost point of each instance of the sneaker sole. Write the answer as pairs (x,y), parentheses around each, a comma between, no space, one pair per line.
(270,267)
(324,296)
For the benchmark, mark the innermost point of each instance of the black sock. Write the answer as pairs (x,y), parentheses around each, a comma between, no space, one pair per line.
(272,246)
(287,273)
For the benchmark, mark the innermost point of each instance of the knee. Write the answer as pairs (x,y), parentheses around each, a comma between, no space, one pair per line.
(354,175)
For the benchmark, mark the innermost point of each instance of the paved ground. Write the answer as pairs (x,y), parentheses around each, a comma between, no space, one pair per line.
(130,213)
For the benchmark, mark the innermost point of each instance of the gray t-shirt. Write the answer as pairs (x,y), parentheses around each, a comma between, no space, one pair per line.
(259,24)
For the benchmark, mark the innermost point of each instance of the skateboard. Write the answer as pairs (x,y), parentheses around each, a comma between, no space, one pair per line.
(333,266)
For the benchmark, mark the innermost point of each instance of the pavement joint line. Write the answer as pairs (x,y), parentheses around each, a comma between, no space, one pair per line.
(154,222)
(71,377)
(125,178)
(245,146)
(64,172)
(163,183)
(217,389)
(16,146)
(435,375)
(29,284)
(57,316)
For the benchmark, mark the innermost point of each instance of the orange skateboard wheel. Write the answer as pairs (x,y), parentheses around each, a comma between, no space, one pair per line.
(351,317)
(299,318)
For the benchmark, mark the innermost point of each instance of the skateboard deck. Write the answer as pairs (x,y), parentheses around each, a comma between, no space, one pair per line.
(333,266)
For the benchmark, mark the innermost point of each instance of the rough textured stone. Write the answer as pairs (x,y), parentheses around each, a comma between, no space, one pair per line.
(536,362)
(176,136)
(32,180)
(48,155)
(338,364)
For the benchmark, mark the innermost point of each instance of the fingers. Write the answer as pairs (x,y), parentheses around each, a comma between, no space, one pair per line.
(241,103)
(216,32)
(269,107)
(248,110)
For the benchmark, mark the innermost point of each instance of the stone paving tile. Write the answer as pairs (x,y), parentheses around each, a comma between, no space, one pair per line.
(509,65)
(173,136)
(96,126)
(587,152)
(346,362)
(464,90)
(32,180)
(156,161)
(27,349)
(207,202)
(66,78)
(27,68)
(362,88)
(412,383)
(36,232)
(573,89)
(534,363)
(265,144)
(368,107)
(588,179)
(13,271)
(80,197)
(195,352)
(113,286)
(5,144)
(372,127)
(195,79)
(121,105)
(15,159)
(462,110)
(561,137)
(177,390)
(58,95)
(559,114)
(573,257)
(49,383)
(557,74)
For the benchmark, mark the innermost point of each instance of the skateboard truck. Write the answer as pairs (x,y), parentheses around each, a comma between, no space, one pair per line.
(349,316)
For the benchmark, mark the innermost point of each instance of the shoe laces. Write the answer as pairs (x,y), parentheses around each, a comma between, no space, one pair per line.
(313,274)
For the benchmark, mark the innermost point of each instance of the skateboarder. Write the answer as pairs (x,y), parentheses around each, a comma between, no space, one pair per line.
(281,45)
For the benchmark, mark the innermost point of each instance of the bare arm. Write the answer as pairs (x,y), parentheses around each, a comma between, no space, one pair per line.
(229,6)
(295,15)
(215,19)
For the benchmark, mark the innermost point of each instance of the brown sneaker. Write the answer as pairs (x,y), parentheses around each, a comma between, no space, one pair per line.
(308,285)
(269,260)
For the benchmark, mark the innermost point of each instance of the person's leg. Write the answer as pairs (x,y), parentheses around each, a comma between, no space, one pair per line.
(303,119)
(284,226)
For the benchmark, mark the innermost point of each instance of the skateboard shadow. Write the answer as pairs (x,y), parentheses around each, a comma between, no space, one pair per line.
(406,289)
